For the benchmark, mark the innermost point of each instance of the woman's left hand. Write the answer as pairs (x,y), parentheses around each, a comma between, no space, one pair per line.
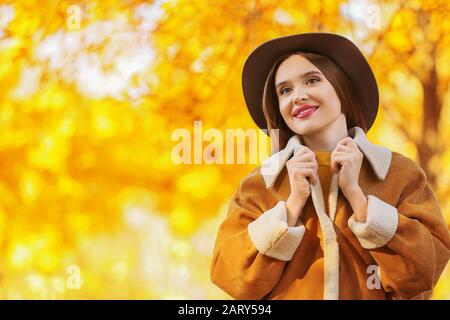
(347,159)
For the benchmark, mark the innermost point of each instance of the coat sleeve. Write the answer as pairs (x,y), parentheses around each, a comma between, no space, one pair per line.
(253,242)
(410,242)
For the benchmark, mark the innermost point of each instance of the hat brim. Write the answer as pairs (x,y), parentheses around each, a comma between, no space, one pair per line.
(338,48)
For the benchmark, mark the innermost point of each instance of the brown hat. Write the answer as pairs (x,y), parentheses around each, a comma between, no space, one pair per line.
(338,48)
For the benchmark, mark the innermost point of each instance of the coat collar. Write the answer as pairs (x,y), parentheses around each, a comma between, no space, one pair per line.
(379,157)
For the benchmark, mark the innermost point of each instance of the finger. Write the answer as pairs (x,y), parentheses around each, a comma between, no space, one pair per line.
(300,150)
(341,153)
(336,163)
(301,159)
(301,162)
(309,163)
(304,173)
(305,154)
(304,158)
(351,142)
(305,165)
(342,157)
(310,174)
(334,166)
(343,148)
(346,141)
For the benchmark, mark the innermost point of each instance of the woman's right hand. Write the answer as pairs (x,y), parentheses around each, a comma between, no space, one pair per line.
(302,170)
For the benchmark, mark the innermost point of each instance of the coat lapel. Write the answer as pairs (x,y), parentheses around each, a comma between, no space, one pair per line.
(379,157)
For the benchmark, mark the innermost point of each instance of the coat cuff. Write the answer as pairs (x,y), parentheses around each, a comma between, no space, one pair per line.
(272,236)
(380,226)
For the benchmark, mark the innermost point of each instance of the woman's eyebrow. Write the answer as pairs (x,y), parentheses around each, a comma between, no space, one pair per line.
(301,76)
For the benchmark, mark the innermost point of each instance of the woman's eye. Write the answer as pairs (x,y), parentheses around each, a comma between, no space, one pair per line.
(283,90)
(312,80)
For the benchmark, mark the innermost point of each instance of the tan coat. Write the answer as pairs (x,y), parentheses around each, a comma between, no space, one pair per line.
(398,253)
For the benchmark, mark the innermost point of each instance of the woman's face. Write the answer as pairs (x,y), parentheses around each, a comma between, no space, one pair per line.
(301,85)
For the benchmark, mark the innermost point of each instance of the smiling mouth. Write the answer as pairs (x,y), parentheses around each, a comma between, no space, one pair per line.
(301,113)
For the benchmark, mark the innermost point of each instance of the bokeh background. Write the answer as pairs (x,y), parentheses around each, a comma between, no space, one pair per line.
(92,205)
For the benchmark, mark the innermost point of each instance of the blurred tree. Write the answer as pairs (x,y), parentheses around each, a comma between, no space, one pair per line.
(409,56)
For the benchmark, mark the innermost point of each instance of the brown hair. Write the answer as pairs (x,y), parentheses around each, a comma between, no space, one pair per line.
(350,105)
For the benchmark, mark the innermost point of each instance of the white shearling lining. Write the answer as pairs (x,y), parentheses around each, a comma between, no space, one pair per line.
(380,226)
(272,236)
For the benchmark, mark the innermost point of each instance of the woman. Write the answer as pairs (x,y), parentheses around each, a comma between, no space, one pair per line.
(329,215)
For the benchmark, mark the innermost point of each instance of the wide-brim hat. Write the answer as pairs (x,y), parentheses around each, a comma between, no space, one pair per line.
(336,47)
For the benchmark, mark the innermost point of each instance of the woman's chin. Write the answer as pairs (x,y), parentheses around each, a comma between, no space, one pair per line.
(304,128)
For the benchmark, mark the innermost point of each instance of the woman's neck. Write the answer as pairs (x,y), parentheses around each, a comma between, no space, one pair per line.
(327,138)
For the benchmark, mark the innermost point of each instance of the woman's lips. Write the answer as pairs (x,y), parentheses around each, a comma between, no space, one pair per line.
(306,114)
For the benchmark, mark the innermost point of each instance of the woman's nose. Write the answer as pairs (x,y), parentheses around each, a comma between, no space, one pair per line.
(298,99)
(300,95)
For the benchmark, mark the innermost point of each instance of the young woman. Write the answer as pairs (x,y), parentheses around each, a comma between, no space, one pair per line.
(329,215)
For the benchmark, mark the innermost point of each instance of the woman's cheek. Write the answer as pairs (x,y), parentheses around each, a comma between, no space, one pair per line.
(284,108)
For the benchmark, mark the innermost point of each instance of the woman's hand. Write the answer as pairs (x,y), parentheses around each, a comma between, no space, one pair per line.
(347,159)
(302,170)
